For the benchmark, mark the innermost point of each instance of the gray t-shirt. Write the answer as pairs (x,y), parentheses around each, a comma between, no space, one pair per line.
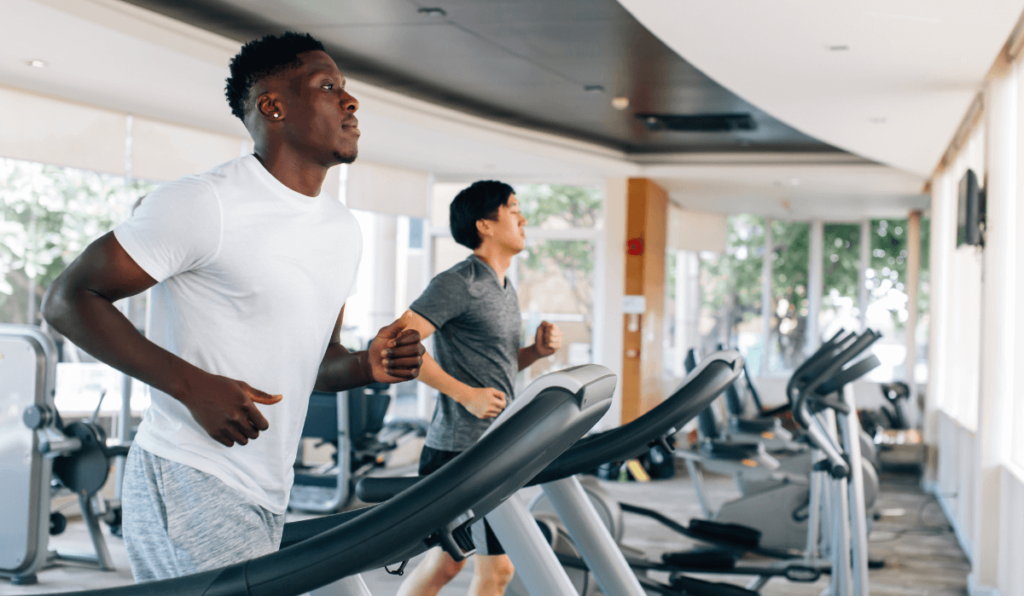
(476,342)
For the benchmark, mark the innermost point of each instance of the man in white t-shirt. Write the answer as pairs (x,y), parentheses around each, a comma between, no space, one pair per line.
(250,265)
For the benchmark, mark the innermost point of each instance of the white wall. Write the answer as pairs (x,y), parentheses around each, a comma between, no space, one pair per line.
(974,396)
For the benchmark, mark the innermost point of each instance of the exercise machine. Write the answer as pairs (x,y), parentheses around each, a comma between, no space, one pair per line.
(352,422)
(438,510)
(40,453)
(586,554)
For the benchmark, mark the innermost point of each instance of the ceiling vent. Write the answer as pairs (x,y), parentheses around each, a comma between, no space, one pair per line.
(698,122)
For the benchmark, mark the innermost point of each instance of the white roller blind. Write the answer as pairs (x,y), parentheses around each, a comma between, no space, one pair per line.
(386,189)
(691,230)
(162,151)
(43,129)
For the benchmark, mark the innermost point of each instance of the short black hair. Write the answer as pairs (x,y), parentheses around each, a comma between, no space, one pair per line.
(262,58)
(480,201)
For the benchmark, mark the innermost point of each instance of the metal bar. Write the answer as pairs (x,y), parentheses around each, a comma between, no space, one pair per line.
(536,563)
(858,510)
(348,586)
(595,543)
(697,478)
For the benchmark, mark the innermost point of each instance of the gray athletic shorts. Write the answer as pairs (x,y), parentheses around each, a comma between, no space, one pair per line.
(178,520)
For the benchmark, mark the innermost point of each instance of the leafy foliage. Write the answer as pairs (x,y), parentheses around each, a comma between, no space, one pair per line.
(48,215)
(557,206)
(731,283)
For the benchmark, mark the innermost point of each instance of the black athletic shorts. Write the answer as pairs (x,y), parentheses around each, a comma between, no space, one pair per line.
(432,459)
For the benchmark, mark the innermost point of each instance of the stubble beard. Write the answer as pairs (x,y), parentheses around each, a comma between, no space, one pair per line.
(341,158)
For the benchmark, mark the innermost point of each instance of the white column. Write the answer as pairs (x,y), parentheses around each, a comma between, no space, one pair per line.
(862,281)
(943,239)
(609,288)
(998,322)
(382,307)
(815,284)
(767,269)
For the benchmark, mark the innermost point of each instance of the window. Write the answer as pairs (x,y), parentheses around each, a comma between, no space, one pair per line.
(556,284)
(48,215)
(840,277)
(720,295)
(887,308)
(556,271)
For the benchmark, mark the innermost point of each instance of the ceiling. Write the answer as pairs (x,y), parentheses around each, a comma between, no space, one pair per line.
(119,56)
(889,80)
(521,62)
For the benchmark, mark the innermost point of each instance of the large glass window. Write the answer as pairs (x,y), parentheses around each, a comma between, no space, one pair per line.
(790,254)
(556,271)
(556,284)
(887,309)
(840,277)
(730,292)
(48,215)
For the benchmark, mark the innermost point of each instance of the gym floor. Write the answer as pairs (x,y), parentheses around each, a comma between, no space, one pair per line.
(913,536)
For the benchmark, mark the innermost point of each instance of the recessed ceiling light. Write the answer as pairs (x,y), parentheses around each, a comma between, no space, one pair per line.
(794,182)
(838,48)
(37,64)
(594,89)
(878,120)
(620,103)
(432,12)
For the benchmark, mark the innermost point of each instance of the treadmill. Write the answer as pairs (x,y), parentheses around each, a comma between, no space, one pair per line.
(550,416)
(599,553)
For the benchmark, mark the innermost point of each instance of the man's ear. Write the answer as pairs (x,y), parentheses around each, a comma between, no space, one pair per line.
(483,227)
(270,107)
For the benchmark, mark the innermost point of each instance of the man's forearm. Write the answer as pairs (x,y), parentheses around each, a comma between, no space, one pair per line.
(341,370)
(528,356)
(433,375)
(95,325)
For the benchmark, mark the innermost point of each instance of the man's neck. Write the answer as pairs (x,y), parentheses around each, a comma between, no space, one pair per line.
(498,259)
(302,176)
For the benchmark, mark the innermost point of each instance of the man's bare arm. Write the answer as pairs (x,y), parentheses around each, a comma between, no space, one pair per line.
(547,341)
(395,355)
(80,304)
(482,402)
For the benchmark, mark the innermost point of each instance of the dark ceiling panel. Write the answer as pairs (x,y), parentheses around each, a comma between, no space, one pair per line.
(523,62)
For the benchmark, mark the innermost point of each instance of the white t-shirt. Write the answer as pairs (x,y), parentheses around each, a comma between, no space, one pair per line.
(251,278)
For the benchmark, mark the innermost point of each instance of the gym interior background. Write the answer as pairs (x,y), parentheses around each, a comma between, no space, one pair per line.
(752,174)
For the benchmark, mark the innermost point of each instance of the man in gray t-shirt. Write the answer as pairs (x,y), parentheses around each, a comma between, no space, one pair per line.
(472,311)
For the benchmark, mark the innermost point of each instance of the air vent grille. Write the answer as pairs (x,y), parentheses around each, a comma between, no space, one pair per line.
(698,122)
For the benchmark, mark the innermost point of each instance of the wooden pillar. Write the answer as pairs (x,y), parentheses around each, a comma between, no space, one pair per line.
(913,283)
(646,224)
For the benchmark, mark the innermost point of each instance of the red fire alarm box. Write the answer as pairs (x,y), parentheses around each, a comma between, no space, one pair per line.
(635,246)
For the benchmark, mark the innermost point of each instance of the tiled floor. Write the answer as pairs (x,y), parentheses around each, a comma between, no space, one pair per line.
(921,553)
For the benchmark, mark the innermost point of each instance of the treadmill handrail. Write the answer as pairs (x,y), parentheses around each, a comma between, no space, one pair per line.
(694,393)
(701,387)
(476,481)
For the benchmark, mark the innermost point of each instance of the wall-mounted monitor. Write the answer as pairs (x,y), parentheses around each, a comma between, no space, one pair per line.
(970,211)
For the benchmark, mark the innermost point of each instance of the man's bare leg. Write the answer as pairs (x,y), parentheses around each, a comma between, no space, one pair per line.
(432,574)
(491,575)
